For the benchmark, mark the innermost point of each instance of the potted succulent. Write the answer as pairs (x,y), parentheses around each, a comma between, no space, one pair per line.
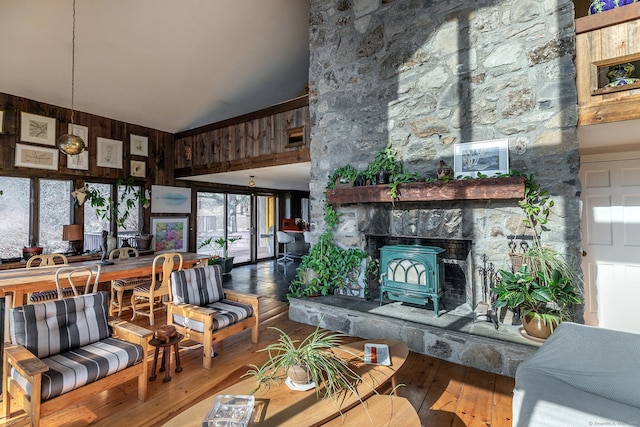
(311,363)
(221,248)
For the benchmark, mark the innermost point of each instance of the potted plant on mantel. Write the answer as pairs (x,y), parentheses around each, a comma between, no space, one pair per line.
(308,364)
(222,246)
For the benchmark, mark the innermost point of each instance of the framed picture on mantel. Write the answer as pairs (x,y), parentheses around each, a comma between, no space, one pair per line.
(487,158)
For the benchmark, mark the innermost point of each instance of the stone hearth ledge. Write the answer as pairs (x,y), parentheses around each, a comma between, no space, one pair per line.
(450,337)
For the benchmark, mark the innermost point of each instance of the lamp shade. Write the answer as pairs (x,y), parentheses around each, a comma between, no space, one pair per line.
(72,232)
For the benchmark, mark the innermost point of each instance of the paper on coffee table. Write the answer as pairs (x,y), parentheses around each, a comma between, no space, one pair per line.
(376,354)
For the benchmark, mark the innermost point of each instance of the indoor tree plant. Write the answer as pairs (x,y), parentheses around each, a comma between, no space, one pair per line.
(221,248)
(311,363)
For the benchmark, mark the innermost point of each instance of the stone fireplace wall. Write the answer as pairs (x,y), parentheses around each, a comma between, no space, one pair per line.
(426,75)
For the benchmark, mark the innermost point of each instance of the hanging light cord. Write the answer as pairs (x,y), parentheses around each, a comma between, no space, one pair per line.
(73,59)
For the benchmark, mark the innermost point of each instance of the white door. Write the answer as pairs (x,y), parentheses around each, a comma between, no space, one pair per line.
(611,241)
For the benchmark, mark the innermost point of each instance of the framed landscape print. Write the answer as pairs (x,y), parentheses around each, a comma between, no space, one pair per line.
(138,169)
(36,157)
(78,161)
(109,153)
(488,158)
(38,129)
(139,145)
(170,234)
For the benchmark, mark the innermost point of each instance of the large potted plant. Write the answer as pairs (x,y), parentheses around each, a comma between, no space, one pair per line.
(221,246)
(325,268)
(310,363)
(542,295)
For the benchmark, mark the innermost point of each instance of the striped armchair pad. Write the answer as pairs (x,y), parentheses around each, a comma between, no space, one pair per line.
(55,327)
(197,286)
(49,295)
(227,313)
(73,369)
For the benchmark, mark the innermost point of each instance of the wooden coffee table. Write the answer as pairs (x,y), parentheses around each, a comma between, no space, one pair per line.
(278,405)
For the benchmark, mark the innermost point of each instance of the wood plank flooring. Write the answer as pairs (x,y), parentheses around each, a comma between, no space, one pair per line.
(443,393)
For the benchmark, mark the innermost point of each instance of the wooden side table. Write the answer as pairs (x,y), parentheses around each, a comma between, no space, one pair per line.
(165,365)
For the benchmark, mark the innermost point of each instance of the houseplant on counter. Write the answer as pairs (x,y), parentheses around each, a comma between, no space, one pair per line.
(221,248)
(308,364)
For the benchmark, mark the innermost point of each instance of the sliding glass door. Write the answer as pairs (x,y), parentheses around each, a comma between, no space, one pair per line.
(248,216)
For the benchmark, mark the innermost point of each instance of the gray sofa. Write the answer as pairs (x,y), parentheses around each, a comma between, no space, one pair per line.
(581,376)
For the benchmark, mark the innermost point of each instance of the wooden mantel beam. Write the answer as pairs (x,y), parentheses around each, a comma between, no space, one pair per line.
(468,189)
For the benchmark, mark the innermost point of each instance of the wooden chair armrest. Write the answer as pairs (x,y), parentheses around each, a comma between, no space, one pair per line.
(243,297)
(190,311)
(24,361)
(129,332)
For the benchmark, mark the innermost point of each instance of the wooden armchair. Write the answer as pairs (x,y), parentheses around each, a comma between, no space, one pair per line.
(203,312)
(42,371)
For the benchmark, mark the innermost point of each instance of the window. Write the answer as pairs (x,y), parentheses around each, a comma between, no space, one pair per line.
(55,211)
(210,221)
(93,224)
(14,216)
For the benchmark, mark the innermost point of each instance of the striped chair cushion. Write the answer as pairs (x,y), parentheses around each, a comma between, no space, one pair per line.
(197,286)
(59,326)
(73,369)
(227,313)
(49,295)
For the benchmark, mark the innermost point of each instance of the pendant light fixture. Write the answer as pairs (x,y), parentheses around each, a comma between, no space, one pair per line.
(69,143)
(252,182)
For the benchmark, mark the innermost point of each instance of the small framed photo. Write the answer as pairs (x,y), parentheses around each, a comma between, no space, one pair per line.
(1,121)
(81,131)
(488,158)
(138,169)
(31,156)
(170,234)
(109,153)
(139,145)
(37,129)
(78,161)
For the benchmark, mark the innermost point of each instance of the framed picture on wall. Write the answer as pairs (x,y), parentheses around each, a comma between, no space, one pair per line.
(109,153)
(1,121)
(138,169)
(488,158)
(139,145)
(165,199)
(170,234)
(81,131)
(37,129)
(36,157)
(78,161)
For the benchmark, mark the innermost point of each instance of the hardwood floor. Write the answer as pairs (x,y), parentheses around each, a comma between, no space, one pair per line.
(443,393)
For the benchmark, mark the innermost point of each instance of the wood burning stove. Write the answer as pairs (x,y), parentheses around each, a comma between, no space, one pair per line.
(412,273)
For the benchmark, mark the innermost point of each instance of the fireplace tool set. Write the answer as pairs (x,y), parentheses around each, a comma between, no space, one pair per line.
(485,308)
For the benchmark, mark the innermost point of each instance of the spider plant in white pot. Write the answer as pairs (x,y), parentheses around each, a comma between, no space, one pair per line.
(309,363)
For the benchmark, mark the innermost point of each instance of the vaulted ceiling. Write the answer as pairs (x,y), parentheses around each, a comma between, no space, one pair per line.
(171,65)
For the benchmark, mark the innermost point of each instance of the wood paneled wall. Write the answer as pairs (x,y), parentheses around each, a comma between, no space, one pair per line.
(159,162)
(250,141)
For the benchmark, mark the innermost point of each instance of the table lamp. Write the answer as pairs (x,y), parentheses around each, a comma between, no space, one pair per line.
(72,233)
